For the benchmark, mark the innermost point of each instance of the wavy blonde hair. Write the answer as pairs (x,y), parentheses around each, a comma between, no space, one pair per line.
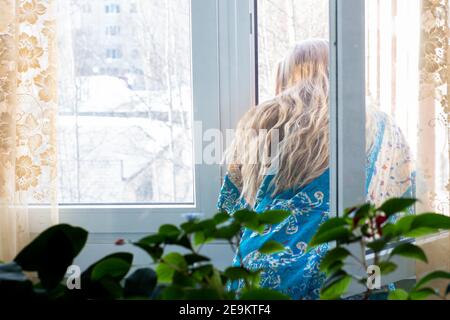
(298,116)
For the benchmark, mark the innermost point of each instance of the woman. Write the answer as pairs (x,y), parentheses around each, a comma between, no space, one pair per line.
(295,176)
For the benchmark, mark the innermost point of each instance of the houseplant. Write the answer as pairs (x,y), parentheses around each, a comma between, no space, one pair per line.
(376,229)
(180,270)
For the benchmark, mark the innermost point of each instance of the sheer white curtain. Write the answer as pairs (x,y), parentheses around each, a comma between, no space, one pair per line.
(407,45)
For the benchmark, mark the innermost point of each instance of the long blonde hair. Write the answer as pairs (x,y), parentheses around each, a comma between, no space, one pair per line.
(298,116)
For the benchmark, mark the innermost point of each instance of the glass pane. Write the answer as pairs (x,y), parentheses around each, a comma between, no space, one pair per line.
(281,25)
(125,132)
(392,89)
(408,115)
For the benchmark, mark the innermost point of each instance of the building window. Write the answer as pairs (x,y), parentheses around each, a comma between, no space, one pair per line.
(112,30)
(112,8)
(113,53)
(133,7)
(86,8)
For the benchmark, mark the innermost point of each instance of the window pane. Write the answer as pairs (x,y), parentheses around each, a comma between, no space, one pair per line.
(282,24)
(125,122)
(393,103)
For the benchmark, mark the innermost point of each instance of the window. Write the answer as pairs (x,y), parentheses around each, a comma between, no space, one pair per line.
(281,24)
(112,8)
(113,53)
(126,139)
(86,8)
(133,7)
(112,30)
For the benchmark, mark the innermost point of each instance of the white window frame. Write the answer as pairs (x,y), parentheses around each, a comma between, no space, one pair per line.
(103,220)
(348,121)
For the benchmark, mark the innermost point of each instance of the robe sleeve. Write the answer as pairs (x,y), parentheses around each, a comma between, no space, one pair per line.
(230,199)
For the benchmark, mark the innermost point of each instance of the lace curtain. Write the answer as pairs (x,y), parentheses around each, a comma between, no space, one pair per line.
(27,121)
(434,139)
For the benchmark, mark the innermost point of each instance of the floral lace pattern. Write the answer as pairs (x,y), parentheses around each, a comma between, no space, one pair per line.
(434,152)
(27,113)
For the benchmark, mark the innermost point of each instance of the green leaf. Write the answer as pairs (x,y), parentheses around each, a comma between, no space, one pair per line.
(271,247)
(335,286)
(169,264)
(193,258)
(398,294)
(189,227)
(227,232)
(221,217)
(363,212)
(404,225)
(200,238)
(237,273)
(432,221)
(420,232)
(112,287)
(422,225)
(110,268)
(335,267)
(164,273)
(447,292)
(248,219)
(349,211)
(409,250)
(421,294)
(202,271)
(390,231)
(106,287)
(396,205)
(336,255)
(183,280)
(433,276)
(337,234)
(215,281)
(377,245)
(183,241)
(154,251)
(52,252)
(140,283)
(173,293)
(176,260)
(194,226)
(169,231)
(273,217)
(334,223)
(154,239)
(387,267)
(263,294)
(243,216)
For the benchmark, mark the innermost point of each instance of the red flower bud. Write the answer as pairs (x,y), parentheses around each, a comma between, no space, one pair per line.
(380,220)
(120,242)
(356,221)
